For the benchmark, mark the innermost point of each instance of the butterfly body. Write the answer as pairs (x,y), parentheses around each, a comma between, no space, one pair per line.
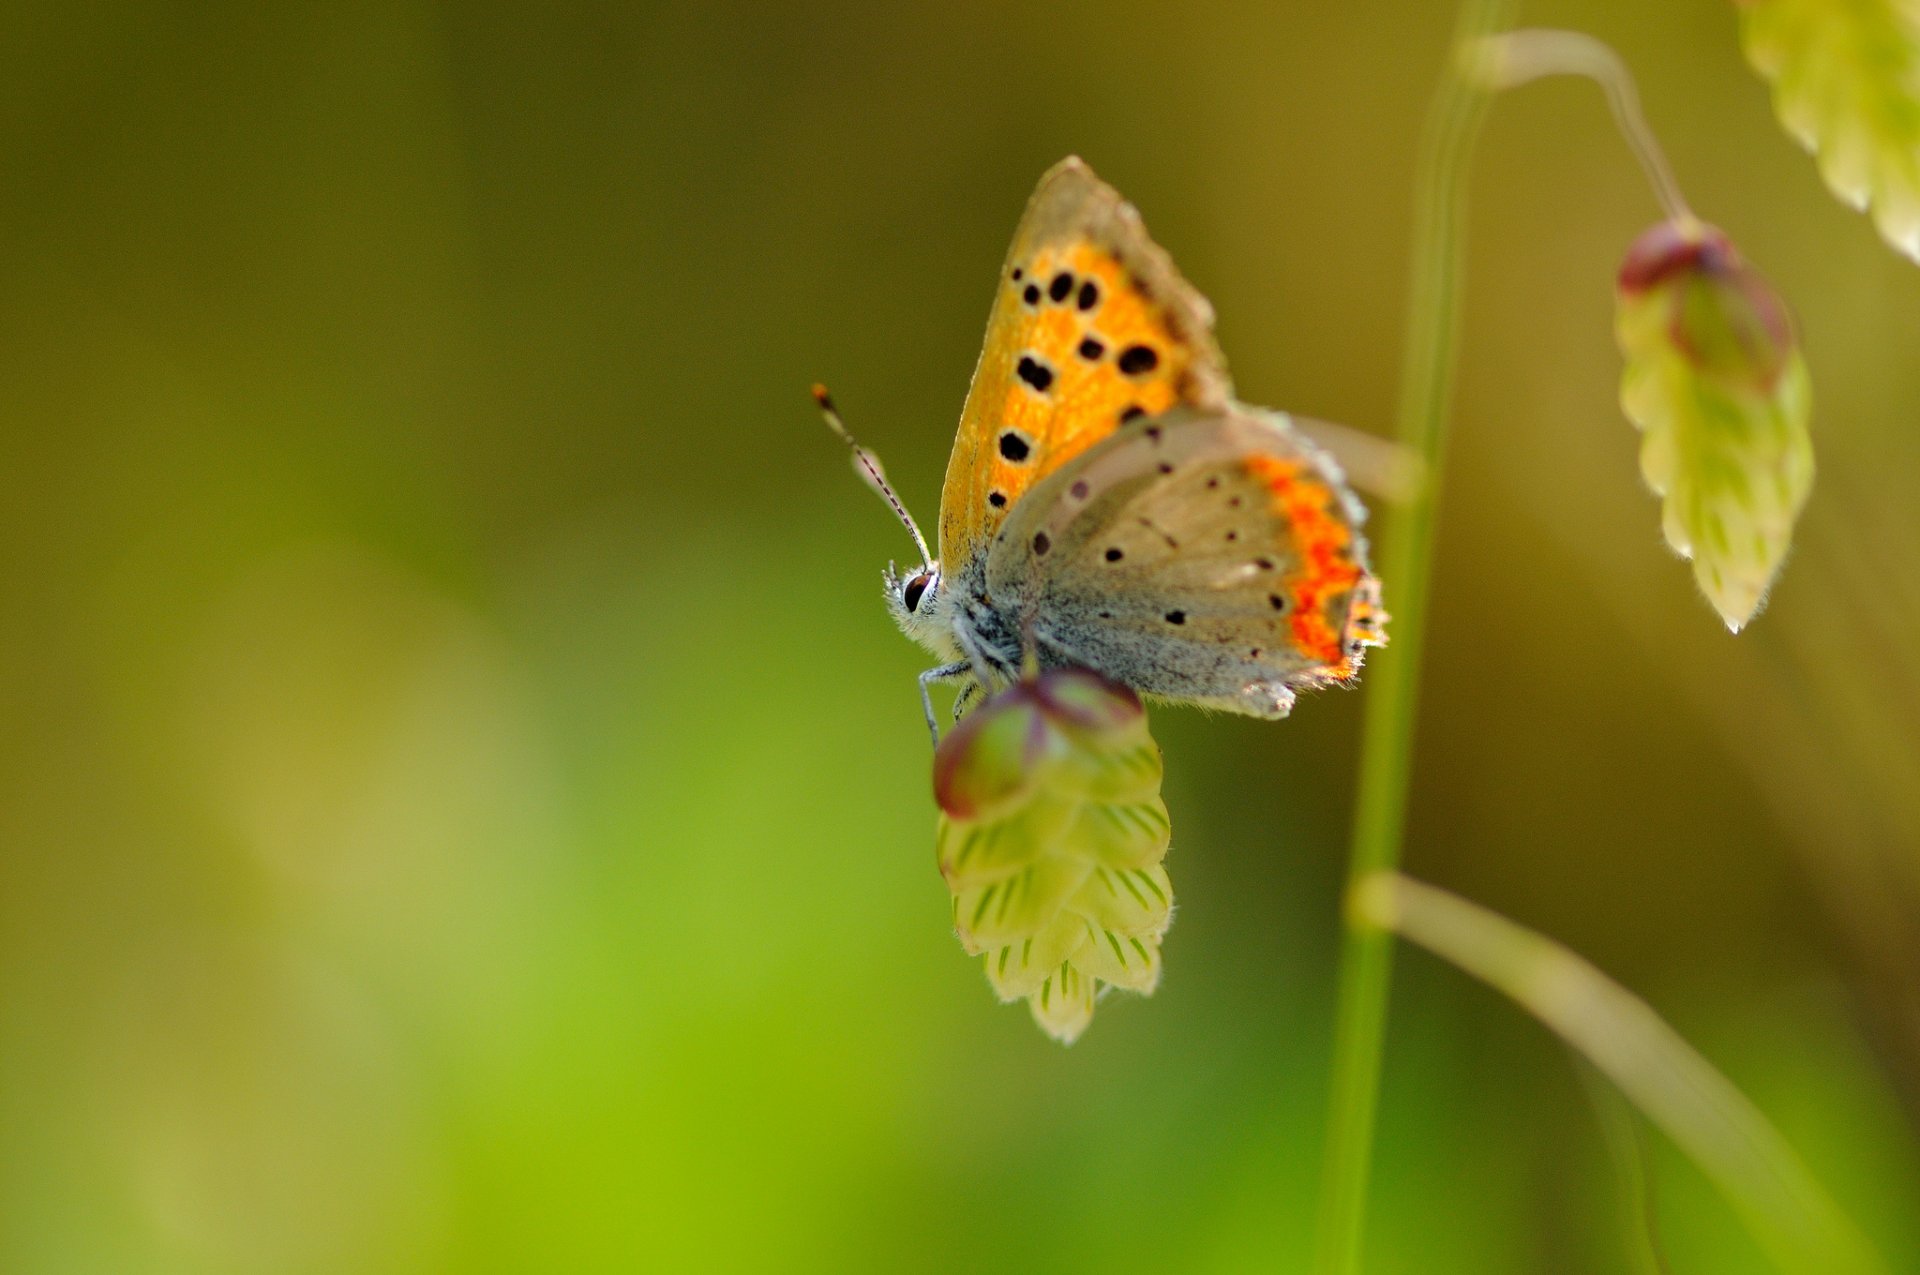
(1108,505)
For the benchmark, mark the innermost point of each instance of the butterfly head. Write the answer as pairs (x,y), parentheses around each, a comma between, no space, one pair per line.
(917,601)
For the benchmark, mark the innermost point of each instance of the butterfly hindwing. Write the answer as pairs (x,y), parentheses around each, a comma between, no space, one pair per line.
(1207,556)
(1092,326)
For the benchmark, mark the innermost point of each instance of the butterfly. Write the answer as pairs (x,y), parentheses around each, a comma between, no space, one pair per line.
(1108,504)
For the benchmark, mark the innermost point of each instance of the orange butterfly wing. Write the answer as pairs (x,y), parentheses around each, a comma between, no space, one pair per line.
(1092,326)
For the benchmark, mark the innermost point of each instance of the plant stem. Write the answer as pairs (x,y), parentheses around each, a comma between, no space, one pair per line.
(1519,57)
(1406,555)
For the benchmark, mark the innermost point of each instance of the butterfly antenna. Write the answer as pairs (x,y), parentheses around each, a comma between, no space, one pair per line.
(870,469)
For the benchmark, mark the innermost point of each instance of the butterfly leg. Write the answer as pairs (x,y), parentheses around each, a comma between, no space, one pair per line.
(987,664)
(964,698)
(944,673)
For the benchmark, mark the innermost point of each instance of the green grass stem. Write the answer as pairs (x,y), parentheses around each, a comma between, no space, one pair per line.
(1406,554)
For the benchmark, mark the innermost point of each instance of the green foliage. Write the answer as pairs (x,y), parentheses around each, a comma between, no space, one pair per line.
(1846,83)
(1051,835)
(1717,383)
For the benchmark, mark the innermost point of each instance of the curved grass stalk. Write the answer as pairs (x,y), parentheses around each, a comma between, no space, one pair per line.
(1785,1208)
(1513,58)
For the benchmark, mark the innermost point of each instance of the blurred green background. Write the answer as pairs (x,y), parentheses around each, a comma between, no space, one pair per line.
(463,808)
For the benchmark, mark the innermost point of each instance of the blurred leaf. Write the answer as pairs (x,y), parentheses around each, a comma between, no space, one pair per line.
(1846,83)
(1711,1121)
(1051,835)
(1716,381)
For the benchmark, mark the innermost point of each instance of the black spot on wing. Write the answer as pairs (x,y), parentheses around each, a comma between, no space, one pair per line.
(1035,373)
(1014,447)
(1138,360)
(1062,285)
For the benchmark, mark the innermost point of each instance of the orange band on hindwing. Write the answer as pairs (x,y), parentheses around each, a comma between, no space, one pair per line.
(1328,572)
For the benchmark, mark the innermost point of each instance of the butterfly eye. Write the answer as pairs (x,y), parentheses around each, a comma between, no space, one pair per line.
(910,596)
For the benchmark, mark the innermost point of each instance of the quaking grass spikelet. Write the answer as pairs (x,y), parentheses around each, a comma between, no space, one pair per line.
(1051,837)
(1846,84)
(1715,380)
